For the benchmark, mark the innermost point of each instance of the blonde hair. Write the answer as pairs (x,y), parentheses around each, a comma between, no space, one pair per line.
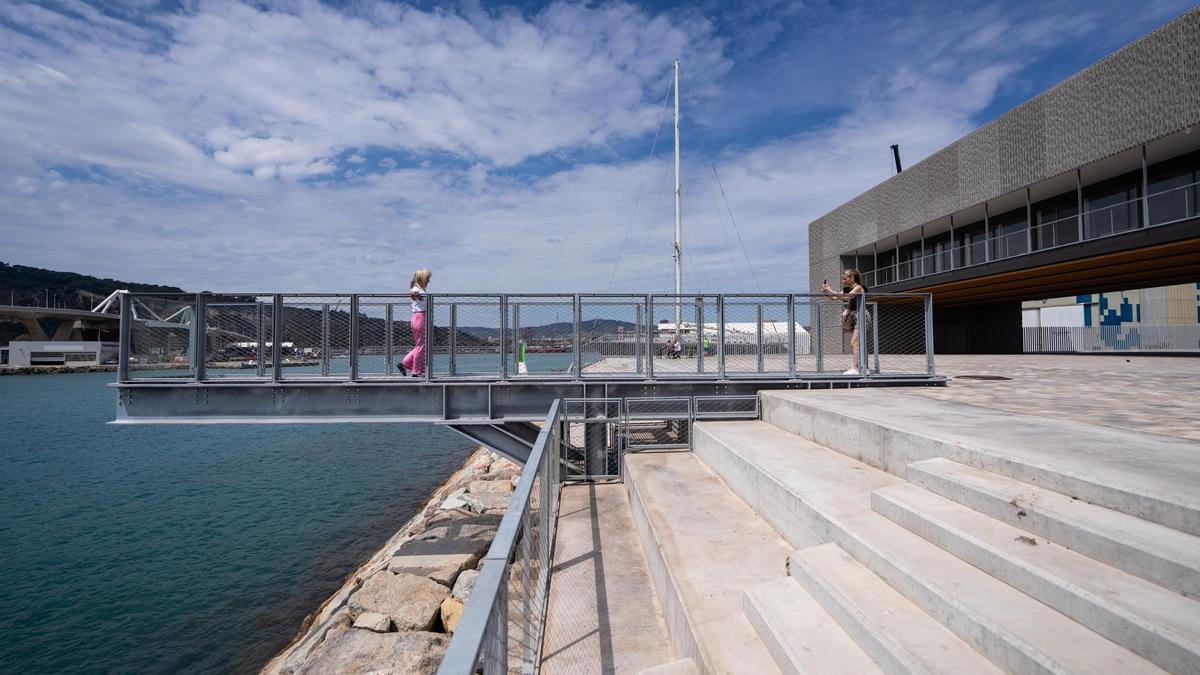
(421,278)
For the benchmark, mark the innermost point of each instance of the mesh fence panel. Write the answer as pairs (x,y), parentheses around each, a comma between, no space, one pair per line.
(756,336)
(898,338)
(161,337)
(467,333)
(384,335)
(542,330)
(598,421)
(239,334)
(806,335)
(658,423)
(612,335)
(316,336)
(836,355)
(680,324)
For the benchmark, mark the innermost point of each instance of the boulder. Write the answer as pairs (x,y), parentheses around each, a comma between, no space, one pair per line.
(464,584)
(490,503)
(338,624)
(362,651)
(490,487)
(455,500)
(410,601)
(452,609)
(440,553)
(374,621)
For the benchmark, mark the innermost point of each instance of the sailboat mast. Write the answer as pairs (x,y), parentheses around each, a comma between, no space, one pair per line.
(678,215)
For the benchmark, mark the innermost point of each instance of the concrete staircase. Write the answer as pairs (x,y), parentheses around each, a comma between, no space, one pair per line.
(866,531)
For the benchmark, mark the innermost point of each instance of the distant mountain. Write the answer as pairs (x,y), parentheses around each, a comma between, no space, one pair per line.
(34,286)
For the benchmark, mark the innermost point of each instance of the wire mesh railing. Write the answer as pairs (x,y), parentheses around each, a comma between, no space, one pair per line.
(570,337)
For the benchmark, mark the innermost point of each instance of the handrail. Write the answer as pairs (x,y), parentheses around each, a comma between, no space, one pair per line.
(356,338)
(484,622)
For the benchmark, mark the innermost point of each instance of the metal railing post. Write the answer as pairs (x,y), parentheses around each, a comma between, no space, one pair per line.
(325,339)
(818,346)
(758,336)
(721,336)
(389,336)
(576,335)
(430,334)
(637,339)
(503,337)
(862,337)
(700,335)
(516,333)
(875,334)
(353,337)
(929,333)
(649,337)
(261,338)
(124,337)
(277,338)
(791,318)
(200,347)
(453,339)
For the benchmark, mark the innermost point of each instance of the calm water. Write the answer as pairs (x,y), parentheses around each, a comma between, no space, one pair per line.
(184,549)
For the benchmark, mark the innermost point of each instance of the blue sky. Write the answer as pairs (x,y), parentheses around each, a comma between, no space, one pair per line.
(295,145)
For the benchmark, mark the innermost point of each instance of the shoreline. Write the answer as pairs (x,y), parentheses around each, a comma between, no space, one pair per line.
(320,630)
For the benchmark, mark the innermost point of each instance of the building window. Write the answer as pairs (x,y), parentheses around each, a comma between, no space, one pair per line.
(970,245)
(1174,193)
(1010,234)
(1056,221)
(85,356)
(1112,206)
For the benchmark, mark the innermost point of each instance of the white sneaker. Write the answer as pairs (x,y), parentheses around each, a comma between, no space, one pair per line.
(852,371)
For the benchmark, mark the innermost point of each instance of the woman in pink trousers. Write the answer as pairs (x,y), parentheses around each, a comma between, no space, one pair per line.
(415,360)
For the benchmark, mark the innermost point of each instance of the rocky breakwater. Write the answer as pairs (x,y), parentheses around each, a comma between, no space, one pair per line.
(396,613)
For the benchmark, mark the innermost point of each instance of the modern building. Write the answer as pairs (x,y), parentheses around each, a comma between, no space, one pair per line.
(59,353)
(1165,318)
(1092,186)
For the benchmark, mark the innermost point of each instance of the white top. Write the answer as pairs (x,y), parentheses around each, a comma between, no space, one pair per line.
(418,305)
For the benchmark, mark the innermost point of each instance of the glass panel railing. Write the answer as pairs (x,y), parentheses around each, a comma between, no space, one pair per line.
(1174,205)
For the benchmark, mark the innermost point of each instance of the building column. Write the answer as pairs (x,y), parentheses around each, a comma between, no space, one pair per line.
(951,242)
(1145,190)
(987,235)
(1079,199)
(1028,223)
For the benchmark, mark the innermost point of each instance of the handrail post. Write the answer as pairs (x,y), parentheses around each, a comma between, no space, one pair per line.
(758,336)
(353,337)
(721,336)
(929,332)
(814,308)
(700,335)
(791,318)
(389,347)
(649,337)
(200,325)
(277,338)
(430,334)
(124,337)
(862,335)
(637,340)
(453,339)
(325,339)
(576,334)
(260,337)
(503,337)
(516,333)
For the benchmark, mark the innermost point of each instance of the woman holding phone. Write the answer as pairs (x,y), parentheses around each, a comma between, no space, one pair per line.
(852,294)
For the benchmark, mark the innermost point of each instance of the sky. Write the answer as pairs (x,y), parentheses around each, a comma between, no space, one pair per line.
(304,146)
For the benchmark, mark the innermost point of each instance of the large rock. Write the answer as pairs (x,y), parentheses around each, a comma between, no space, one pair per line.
(455,500)
(374,621)
(411,601)
(338,624)
(464,584)
(490,487)
(440,553)
(361,651)
(452,609)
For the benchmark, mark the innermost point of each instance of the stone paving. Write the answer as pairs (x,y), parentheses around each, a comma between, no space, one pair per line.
(1154,394)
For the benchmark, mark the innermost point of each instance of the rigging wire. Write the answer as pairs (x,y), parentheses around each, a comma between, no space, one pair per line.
(641,186)
(713,166)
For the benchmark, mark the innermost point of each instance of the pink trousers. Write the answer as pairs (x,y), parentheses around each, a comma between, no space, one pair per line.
(415,360)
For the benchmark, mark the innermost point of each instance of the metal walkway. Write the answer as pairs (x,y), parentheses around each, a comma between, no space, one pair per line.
(496,362)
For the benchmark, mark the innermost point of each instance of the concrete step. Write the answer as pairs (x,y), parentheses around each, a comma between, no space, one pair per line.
(897,634)
(801,636)
(788,479)
(676,667)
(1157,553)
(1154,622)
(704,547)
(1145,475)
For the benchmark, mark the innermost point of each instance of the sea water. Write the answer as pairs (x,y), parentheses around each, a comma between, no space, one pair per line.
(185,549)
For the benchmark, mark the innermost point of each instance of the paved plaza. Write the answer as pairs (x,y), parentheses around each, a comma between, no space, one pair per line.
(1154,394)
